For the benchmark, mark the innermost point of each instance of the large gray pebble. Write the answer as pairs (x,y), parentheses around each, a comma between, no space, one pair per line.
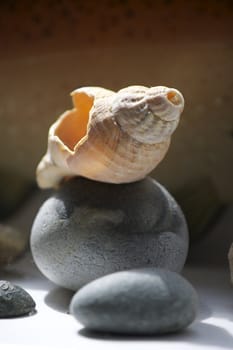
(146,301)
(89,229)
(14,300)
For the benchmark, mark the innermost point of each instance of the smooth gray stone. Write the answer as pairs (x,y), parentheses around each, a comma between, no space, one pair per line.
(144,301)
(14,301)
(89,229)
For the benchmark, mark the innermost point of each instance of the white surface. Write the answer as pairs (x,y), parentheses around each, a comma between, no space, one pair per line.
(53,328)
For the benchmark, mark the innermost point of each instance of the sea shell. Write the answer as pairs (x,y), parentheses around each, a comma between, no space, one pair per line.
(115,137)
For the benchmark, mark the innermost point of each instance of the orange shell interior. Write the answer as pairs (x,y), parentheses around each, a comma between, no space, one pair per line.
(173,97)
(73,126)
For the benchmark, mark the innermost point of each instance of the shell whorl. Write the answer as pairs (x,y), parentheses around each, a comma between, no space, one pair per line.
(150,115)
(111,137)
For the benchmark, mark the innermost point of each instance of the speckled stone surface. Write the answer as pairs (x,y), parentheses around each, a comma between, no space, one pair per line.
(89,229)
(230,259)
(144,301)
(14,301)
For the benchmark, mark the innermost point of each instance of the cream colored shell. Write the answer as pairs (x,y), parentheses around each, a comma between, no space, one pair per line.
(114,137)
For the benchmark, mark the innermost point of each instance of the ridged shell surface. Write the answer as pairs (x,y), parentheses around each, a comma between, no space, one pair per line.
(114,137)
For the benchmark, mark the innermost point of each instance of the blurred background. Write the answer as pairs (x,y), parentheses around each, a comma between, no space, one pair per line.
(49,48)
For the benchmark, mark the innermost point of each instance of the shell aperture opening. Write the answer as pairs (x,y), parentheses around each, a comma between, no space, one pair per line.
(73,126)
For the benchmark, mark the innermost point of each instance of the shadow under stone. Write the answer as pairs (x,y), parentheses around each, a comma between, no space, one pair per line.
(200,333)
(59,299)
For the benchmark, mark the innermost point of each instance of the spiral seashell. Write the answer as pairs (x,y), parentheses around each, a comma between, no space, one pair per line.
(114,137)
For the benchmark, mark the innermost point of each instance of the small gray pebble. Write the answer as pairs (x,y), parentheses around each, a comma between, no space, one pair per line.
(89,229)
(143,301)
(14,301)
(12,244)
